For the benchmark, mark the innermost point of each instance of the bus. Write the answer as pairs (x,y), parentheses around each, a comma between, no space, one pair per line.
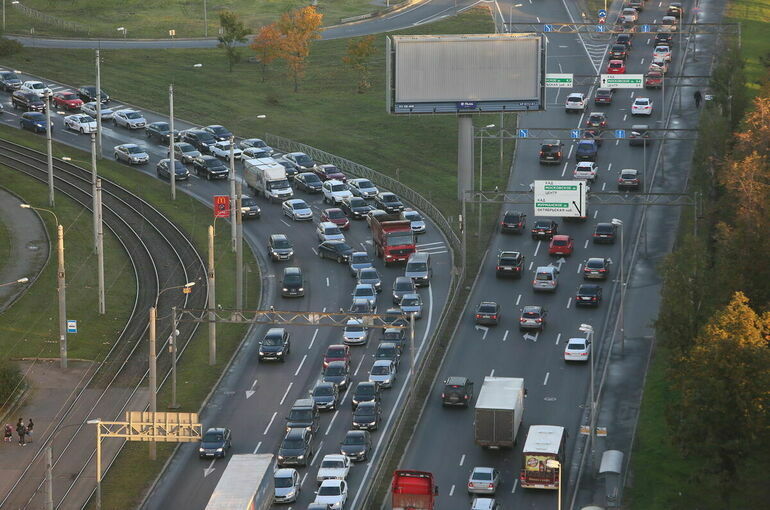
(544,443)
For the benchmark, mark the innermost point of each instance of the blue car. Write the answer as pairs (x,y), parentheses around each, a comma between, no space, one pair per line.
(34,121)
(586,150)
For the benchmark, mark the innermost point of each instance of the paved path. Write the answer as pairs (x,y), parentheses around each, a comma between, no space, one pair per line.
(29,247)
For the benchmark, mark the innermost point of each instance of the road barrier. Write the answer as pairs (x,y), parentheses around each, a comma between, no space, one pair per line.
(51,20)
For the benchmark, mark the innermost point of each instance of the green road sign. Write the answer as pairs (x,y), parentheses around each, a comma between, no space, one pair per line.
(622,81)
(558,80)
(560,198)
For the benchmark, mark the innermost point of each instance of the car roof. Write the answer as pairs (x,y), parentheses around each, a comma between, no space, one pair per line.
(561,237)
(629,170)
(382,362)
(456,380)
(284,473)
(292,270)
(334,181)
(276,237)
(483,470)
(219,430)
(576,94)
(545,269)
(532,308)
(509,253)
(588,286)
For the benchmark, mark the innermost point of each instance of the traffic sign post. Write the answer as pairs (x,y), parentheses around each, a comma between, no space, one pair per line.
(622,81)
(602,13)
(523,133)
(564,199)
(72,326)
(574,133)
(559,80)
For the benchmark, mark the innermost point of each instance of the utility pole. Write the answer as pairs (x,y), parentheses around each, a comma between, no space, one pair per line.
(48,478)
(171,160)
(413,354)
(153,381)
(100,246)
(238,248)
(93,188)
(98,106)
(49,147)
(172,349)
(205,20)
(212,302)
(231,176)
(62,286)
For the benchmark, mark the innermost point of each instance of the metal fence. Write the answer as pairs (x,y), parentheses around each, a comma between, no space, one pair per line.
(51,20)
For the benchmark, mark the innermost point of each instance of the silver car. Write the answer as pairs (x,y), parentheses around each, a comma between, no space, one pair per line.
(411,304)
(546,278)
(383,373)
(131,154)
(370,275)
(128,118)
(328,231)
(355,333)
(287,485)
(90,109)
(418,224)
(483,480)
(363,188)
(185,152)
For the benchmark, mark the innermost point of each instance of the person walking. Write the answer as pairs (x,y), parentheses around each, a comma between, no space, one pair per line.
(21,430)
(8,433)
(698,97)
(30,426)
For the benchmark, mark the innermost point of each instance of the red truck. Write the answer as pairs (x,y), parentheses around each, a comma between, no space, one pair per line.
(392,236)
(413,490)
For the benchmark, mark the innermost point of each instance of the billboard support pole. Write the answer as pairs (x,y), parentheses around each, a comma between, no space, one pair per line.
(464,155)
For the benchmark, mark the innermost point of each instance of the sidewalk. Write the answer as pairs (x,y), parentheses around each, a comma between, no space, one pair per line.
(29,251)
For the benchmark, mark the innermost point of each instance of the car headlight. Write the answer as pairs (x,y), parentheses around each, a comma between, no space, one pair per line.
(220,450)
(301,289)
(201,450)
(281,457)
(300,457)
(285,289)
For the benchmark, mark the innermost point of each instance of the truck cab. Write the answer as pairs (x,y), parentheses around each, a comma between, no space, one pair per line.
(413,490)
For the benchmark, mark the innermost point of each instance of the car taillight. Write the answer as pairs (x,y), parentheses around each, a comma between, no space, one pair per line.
(470,484)
(539,319)
(494,316)
(522,319)
(499,268)
(478,316)
(465,397)
(490,486)
(442,395)
(602,270)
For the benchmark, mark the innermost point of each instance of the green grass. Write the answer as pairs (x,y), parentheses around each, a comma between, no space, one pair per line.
(754,17)
(132,471)
(5,242)
(153,19)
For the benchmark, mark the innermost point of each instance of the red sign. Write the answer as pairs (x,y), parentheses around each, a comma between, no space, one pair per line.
(602,21)
(221,206)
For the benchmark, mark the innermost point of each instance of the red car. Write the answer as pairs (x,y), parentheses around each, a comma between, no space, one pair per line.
(616,67)
(561,245)
(337,352)
(329,172)
(336,216)
(603,96)
(67,100)
(653,79)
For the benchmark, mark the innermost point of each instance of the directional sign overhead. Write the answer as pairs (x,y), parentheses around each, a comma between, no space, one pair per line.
(560,199)
(523,133)
(602,13)
(622,81)
(547,28)
(574,133)
(558,80)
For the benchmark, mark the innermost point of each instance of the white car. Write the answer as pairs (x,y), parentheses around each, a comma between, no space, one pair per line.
(90,109)
(641,106)
(297,209)
(255,153)
(363,188)
(333,467)
(333,493)
(577,349)
(417,223)
(131,154)
(328,231)
(256,143)
(129,118)
(355,333)
(576,102)
(485,504)
(35,87)
(629,14)
(222,150)
(287,485)
(81,123)
(383,373)
(663,52)
(585,170)
(335,191)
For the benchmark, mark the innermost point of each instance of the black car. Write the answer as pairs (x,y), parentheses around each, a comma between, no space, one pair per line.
(355,207)
(550,152)
(389,351)
(663,39)
(624,39)
(275,345)
(87,93)
(291,169)
(532,317)
(9,81)
(219,132)
(296,448)
(160,131)
(293,282)
(458,391)
(596,268)
(588,294)
(487,313)
(618,52)
(338,373)
(593,134)
(27,101)
(249,207)
(365,392)
(639,136)
(605,233)
(388,202)
(587,150)
(199,139)
(303,415)
(513,222)
(279,247)
(367,416)
(544,229)
(326,396)
(396,336)
(308,182)
(356,445)
(182,174)
(337,250)
(215,442)
(509,263)
(402,285)
(210,167)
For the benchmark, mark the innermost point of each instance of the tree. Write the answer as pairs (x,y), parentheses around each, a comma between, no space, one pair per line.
(359,53)
(267,44)
(723,383)
(299,28)
(233,32)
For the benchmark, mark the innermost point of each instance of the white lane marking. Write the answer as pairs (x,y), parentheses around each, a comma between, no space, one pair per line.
(518,299)
(314,251)
(284,222)
(571,146)
(302,482)
(530,265)
(359,366)
(569,302)
(537,247)
(300,365)
(596,212)
(625,116)
(270,423)
(334,417)
(257,447)
(586,245)
(425,244)
(632,94)
(324,310)
(642,62)
(609,167)
(505,335)
(580,267)
(437,252)
(315,457)
(547,375)
(315,334)
(286,394)
(452,490)
(604,184)
(327,281)
(462,459)
(558,337)
(617,142)
(515,484)
(492,373)
(564,170)
(251,391)
(207,471)
(344,395)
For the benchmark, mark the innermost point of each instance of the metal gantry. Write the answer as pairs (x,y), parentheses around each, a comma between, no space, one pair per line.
(295,318)
(642,28)
(607,134)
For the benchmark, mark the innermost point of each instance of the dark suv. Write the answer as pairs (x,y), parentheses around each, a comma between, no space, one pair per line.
(605,233)
(303,415)
(296,449)
(365,392)
(458,391)
(509,263)
(215,443)
(9,81)
(27,101)
(199,139)
(275,345)
(550,152)
(513,222)
(293,282)
(279,247)
(210,168)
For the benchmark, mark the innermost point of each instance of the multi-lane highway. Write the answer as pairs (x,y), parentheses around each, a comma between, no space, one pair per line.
(254,399)
(557,392)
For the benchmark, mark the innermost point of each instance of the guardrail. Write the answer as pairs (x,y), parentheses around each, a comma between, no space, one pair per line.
(51,20)
(356,18)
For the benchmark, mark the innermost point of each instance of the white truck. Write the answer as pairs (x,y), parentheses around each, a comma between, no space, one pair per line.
(268,177)
(246,484)
(499,410)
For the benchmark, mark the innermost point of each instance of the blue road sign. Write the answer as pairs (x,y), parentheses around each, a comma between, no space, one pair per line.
(547,28)
(620,133)
(72,326)
(574,133)
(523,133)
(645,28)
(601,28)
(602,13)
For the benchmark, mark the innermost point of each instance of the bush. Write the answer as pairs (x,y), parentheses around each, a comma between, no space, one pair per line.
(10,379)
(9,47)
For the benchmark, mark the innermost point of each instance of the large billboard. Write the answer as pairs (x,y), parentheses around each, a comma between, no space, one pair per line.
(465,73)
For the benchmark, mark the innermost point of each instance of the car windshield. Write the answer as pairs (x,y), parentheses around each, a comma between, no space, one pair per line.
(628,175)
(586,290)
(386,352)
(603,93)
(133,115)
(542,224)
(412,216)
(337,352)
(616,65)
(332,464)
(280,243)
(508,260)
(293,444)
(543,276)
(380,370)
(273,340)
(354,439)
(258,143)
(85,119)
(368,274)
(329,490)
(292,279)
(604,229)
(338,187)
(357,202)
(530,315)
(399,238)
(213,437)
(487,308)
(213,163)
(410,301)
(576,345)
(642,102)
(219,130)
(302,415)
(310,178)
(364,410)
(9,76)
(186,147)
(389,198)
(331,231)
(68,97)
(574,99)
(359,258)
(335,370)
(304,160)
(134,149)
(560,242)
(482,475)
(299,205)
(595,263)
(248,202)
(323,391)
(283,482)
(335,214)
(416,266)
(354,328)
(225,146)
(179,166)
(364,391)
(37,86)
(330,170)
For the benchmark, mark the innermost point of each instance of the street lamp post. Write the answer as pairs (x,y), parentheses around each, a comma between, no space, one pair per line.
(49,148)
(589,331)
(61,285)
(98,422)
(555,464)
(621,318)
(481,157)
(20,280)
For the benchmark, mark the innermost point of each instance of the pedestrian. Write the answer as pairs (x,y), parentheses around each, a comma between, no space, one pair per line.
(30,426)
(21,430)
(8,433)
(697,96)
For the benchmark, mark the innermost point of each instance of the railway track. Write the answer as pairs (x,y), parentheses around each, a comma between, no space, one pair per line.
(162,256)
